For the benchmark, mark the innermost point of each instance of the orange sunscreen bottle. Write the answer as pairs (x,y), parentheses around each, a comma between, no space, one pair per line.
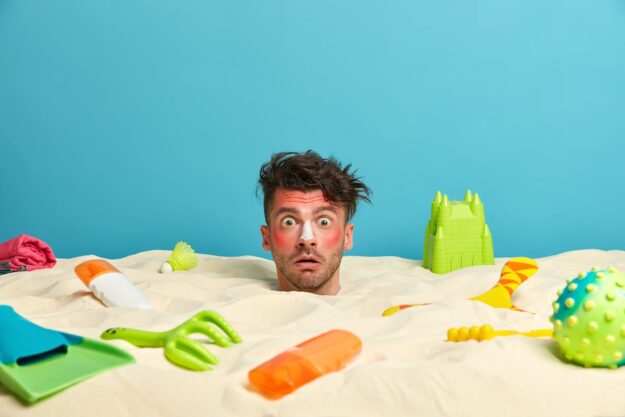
(283,374)
(108,284)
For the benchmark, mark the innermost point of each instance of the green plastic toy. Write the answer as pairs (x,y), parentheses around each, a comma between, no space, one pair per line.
(457,235)
(179,348)
(36,362)
(588,319)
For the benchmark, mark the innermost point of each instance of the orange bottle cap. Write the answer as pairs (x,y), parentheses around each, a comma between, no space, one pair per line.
(90,270)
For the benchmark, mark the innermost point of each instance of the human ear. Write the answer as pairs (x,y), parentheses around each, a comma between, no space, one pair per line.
(349,236)
(264,232)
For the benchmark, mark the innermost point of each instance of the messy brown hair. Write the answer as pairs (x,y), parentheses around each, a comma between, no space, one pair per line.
(307,171)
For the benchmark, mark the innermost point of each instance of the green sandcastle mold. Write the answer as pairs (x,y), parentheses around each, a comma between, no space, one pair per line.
(457,235)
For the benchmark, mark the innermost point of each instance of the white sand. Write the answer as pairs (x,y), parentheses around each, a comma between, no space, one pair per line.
(406,368)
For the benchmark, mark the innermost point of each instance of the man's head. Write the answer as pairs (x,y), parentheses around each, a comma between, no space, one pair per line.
(309,202)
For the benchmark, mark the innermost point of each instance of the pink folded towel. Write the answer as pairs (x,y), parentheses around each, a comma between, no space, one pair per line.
(25,253)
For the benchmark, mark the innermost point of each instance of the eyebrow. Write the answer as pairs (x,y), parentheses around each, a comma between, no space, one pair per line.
(324,208)
(316,211)
(286,210)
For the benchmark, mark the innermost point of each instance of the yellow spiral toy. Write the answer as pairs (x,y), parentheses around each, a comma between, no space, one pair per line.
(514,273)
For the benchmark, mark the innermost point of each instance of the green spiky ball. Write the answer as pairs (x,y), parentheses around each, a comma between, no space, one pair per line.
(589,318)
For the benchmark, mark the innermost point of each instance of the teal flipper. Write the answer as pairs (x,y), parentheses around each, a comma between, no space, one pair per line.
(36,362)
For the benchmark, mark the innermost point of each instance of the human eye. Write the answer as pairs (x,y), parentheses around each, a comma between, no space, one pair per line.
(288,221)
(324,222)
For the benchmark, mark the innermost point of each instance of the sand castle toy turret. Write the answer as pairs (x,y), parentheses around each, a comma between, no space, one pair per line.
(457,235)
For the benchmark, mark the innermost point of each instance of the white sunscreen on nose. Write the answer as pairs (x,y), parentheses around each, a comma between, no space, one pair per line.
(307,233)
(108,284)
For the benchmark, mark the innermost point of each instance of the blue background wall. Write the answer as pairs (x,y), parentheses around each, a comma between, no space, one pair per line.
(128,125)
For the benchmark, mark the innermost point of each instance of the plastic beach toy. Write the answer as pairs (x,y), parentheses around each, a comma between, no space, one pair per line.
(179,348)
(486,332)
(457,235)
(589,318)
(182,258)
(514,273)
(283,374)
(36,362)
(108,284)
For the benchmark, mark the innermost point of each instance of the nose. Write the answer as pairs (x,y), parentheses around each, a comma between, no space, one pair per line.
(307,237)
(301,243)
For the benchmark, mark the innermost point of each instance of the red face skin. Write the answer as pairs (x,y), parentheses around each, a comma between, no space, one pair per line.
(310,265)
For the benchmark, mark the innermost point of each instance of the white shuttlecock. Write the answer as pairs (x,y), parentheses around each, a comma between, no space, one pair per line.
(182,258)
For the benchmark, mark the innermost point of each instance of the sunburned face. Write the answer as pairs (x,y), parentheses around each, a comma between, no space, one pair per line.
(307,235)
